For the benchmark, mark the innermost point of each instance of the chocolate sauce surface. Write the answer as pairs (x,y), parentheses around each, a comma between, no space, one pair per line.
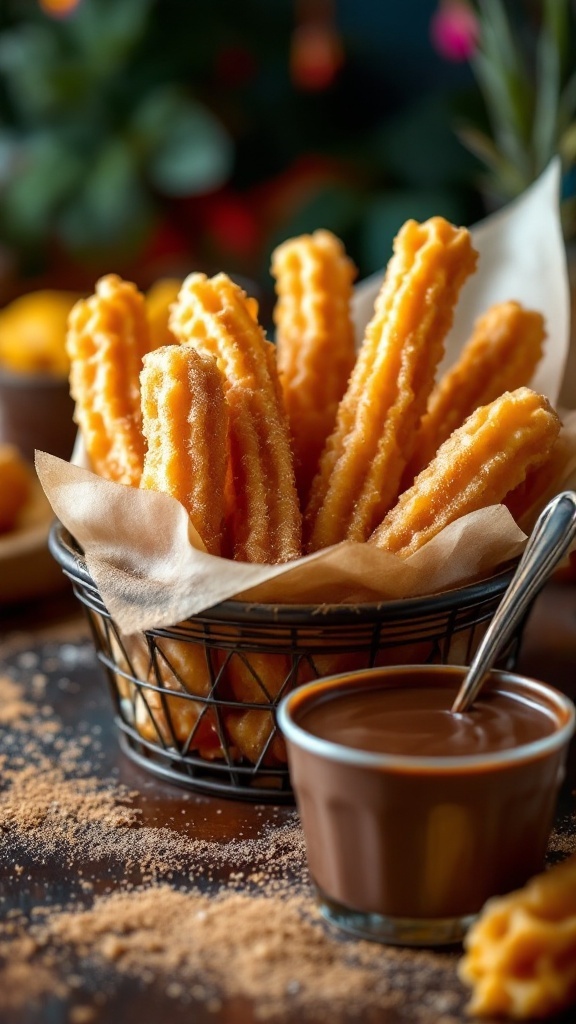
(417,721)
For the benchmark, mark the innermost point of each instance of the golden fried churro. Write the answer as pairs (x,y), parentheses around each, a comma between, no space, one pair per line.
(362,463)
(106,342)
(185,422)
(501,355)
(256,737)
(314,341)
(213,315)
(542,482)
(166,710)
(257,679)
(520,956)
(15,486)
(479,463)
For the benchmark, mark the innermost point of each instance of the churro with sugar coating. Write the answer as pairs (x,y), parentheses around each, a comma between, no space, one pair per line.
(377,419)
(106,341)
(314,341)
(185,422)
(501,355)
(520,955)
(213,315)
(477,466)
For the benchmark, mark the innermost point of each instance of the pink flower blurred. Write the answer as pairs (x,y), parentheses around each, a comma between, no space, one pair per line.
(454,30)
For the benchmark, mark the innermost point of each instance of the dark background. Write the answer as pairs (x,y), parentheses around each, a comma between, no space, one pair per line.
(156,137)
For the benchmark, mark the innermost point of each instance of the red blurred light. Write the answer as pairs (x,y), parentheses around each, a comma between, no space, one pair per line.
(316,56)
(59,8)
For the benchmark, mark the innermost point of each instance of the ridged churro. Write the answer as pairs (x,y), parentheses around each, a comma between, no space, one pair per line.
(106,341)
(501,355)
(376,424)
(484,459)
(314,341)
(520,955)
(213,316)
(185,422)
(542,482)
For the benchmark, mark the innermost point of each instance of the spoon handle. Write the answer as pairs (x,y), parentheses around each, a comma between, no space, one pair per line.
(550,539)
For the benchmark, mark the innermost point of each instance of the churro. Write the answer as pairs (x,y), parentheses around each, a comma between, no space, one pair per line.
(255,735)
(520,955)
(314,341)
(106,341)
(164,708)
(362,463)
(542,482)
(484,459)
(185,422)
(213,316)
(501,355)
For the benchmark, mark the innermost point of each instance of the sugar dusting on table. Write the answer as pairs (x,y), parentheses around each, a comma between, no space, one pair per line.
(211,921)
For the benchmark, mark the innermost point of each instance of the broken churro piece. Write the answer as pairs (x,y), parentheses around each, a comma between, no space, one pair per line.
(314,341)
(185,422)
(501,355)
(214,317)
(106,342)
(520,956)
(377,419)
(480,462)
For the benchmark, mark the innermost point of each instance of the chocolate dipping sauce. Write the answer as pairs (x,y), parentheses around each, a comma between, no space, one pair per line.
(410,812)
(414,719)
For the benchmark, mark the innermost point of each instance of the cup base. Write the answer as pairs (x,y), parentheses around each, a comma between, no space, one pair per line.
(395,931)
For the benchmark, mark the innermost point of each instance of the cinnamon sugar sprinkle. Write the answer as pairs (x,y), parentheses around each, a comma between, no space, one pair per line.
(156,908)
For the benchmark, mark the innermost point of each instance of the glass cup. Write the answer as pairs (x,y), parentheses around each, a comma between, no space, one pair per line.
(405,846)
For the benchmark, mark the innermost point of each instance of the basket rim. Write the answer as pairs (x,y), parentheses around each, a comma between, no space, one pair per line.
(69,555)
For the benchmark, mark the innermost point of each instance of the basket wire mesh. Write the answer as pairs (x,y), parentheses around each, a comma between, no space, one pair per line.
(195,704)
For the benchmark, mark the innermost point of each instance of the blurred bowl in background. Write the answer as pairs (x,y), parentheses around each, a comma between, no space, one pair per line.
(36,411)
(35,406)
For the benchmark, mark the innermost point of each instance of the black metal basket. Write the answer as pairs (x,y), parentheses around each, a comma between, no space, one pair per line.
(195,704)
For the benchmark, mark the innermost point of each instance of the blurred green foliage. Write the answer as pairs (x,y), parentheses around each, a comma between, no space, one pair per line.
(90,133)
(524,64)
(137,129)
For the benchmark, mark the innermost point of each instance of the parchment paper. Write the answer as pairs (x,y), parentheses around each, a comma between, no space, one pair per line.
(149,564)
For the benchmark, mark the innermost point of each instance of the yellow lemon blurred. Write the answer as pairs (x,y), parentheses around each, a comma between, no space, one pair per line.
(33,333)
(159,298)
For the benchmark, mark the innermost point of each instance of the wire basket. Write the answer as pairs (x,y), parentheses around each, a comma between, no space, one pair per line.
(195,704)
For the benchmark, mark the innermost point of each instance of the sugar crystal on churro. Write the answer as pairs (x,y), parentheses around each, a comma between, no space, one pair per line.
(213,316)
(314,340)
(377,419)
(107,339)
(480,462)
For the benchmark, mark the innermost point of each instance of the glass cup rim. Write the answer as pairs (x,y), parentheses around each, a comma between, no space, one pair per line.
(329,750)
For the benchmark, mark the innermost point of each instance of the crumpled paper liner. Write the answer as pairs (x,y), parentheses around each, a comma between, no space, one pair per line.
(148,562)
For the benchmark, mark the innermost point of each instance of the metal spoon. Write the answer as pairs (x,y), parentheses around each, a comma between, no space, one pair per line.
(550,539)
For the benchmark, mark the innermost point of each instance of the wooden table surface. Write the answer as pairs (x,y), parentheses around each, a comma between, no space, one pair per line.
(37,637)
